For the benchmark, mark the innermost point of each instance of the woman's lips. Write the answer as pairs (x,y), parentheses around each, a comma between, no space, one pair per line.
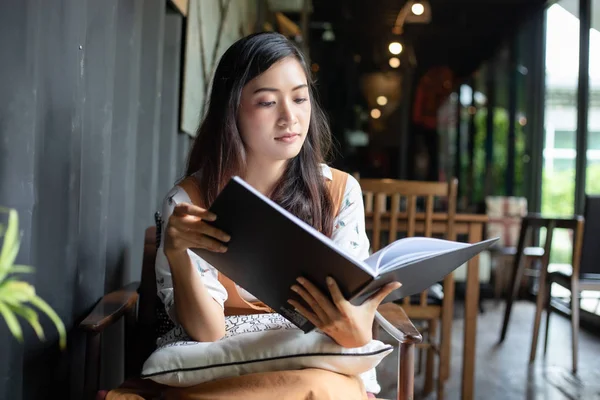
(288,138)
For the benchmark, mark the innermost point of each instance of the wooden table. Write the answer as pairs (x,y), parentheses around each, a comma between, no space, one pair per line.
(472,226)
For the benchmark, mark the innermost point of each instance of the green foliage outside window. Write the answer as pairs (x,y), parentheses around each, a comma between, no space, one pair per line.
(500,156)
(558,198)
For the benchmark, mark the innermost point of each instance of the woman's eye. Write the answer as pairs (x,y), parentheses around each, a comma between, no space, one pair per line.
(301,100)
(266,103)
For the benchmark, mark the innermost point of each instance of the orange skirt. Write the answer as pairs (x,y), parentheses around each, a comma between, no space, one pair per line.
(279,385)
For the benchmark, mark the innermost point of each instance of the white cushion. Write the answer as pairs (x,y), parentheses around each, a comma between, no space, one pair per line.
(252,344)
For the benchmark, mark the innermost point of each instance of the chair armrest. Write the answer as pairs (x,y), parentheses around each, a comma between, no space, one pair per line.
(110,308)
(394,321)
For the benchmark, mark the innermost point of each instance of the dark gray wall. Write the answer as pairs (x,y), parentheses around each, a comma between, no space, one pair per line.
(89,106)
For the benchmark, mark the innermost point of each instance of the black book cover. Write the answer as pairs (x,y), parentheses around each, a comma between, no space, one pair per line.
(270,248)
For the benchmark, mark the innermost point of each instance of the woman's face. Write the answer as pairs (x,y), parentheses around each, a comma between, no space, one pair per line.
(274,112)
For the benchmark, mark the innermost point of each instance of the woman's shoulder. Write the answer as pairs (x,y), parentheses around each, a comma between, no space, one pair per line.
(343,178)
(343,188)
(186,190)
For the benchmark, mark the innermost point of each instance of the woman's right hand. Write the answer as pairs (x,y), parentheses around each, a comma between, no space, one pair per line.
(186,228)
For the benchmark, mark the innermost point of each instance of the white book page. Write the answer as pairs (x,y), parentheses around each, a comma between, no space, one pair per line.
(405,259)
(409,249)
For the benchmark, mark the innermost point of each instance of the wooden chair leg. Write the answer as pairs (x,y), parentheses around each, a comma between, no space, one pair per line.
(406,371)
(445,341)
(92,366)
(420,361)
(575,296)
(540,303)
(548,312)
(133,364)
(497,281)
(540,300)
(505,274)
(440,382)
(430,363)
(516,274)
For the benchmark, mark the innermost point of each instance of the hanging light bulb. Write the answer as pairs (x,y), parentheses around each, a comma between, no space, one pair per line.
(395,48)
(375,113)
(382,100)
(394,62)
(418,8)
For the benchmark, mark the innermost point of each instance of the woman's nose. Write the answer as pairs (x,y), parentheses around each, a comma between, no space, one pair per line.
(287,116)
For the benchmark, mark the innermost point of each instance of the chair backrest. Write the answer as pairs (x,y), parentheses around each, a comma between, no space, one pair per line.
(590,251)
(383,206)
(505,214)
(395,206)
(152,320)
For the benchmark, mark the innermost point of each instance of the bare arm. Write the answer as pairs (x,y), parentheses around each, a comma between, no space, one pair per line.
(197,312)
(200,315)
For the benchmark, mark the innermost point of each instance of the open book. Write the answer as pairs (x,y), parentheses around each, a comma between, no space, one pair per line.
(270,248)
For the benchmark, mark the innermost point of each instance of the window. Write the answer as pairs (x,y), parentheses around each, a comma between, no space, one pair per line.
(560,115)
(564,139)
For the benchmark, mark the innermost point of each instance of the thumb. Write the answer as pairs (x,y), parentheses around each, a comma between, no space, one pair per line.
(382,293)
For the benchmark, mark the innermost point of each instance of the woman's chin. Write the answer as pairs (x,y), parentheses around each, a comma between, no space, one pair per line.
(288,154)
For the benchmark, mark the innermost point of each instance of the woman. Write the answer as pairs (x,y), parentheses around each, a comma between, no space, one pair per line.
(263,124)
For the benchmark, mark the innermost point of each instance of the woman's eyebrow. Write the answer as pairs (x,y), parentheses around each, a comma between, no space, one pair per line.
(267,89)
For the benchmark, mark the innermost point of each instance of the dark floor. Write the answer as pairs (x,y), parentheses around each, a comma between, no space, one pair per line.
(503,372)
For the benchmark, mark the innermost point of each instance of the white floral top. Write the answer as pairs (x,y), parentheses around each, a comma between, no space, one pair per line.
(348,233)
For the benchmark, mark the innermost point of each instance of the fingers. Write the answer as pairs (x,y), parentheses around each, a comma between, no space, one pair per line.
(193,227)
(323,301)
(312,317)
(382,293)
(208,243)
(195,240)
(197,230)
(209,230)
(336,294)
(183,209)
(312,302)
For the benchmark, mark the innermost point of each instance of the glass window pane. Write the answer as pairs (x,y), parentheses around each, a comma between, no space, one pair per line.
(594,139)
(593,153)
(560,116)
(564,139)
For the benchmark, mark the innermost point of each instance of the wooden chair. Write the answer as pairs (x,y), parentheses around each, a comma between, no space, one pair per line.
(383,199)
(504,221)
(584,273)
(144,326)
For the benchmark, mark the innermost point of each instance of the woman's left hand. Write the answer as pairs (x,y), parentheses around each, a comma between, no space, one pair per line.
(347,324)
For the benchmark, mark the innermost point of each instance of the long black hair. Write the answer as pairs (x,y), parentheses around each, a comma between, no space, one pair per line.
(218,152)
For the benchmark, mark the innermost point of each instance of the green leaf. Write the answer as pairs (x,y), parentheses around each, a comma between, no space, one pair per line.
(10,245)
(60,327)
(30,316)
(21,269)
(11,322)
(15,292)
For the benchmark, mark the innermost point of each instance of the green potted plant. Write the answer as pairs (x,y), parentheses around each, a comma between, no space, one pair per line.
(17,298)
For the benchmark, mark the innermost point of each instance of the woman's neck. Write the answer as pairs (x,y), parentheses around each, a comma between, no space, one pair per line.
(264,176)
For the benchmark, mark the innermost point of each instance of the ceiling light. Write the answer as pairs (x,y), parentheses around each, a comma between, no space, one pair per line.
(394,62)
(328,36)
(417,9)
(375,113)
(395,48)
(382,100)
